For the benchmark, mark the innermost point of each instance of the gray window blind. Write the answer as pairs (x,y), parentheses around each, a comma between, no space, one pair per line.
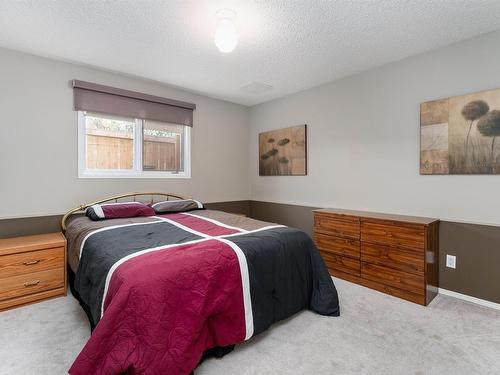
(93,97)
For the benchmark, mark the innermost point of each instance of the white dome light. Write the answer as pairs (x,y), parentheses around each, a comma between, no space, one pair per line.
(226,37)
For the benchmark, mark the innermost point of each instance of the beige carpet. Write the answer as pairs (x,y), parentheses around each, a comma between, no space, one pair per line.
(376,334)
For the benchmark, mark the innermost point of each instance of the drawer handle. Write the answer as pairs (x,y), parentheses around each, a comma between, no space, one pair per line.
(31,283)
(29,263)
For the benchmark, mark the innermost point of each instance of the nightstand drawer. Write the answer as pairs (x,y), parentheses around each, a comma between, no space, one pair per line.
(34,282)
(32,261)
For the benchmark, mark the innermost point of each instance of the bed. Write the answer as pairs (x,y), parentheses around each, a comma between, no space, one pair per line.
(160,291)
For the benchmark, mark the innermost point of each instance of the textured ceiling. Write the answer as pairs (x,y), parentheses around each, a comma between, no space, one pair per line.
(289,44)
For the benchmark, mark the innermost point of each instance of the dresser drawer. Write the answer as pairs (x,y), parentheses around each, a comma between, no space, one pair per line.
(25,284)
(341,226)
(384,288)
(393,257)
(398,279)
(33,261)
(411,236)
(340,263)
(337,245)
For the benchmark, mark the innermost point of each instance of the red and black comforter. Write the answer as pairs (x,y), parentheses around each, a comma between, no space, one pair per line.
(162,292)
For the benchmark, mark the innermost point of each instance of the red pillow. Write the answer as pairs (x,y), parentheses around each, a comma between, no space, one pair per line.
(118,210)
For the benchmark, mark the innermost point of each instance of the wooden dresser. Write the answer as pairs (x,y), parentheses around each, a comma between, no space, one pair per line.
(32,268)
(394,254)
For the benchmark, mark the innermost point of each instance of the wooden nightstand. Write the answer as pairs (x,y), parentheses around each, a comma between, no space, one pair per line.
(32,268)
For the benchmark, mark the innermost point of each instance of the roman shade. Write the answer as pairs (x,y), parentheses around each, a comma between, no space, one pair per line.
(93,97)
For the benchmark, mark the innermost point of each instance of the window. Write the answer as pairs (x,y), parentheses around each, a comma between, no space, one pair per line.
(128,134)
(122,147)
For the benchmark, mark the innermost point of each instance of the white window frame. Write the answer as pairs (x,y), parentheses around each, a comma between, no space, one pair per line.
(137,172)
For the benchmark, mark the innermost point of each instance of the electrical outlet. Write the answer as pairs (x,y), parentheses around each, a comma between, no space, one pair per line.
(451,261)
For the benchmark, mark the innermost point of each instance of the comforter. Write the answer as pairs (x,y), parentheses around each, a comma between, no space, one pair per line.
(162,291)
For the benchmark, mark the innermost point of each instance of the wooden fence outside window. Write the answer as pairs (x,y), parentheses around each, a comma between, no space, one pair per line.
(107,150)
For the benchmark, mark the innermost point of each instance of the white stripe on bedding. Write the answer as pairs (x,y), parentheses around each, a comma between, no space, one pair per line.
(199,204)
(136,254)
(183,227)
(215,222)
(98,211)
(253,231)
(109,228)
(245,285)
(117,203)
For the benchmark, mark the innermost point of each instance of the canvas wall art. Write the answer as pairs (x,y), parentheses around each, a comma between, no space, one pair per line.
(461,134)
(283,152)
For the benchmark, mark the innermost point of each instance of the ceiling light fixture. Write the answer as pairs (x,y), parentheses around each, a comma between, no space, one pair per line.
(226,37)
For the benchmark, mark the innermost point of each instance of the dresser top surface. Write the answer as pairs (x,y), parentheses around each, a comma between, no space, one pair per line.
(378,216)
(28,243)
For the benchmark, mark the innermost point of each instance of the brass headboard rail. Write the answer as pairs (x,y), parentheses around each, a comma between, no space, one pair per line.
(84,206)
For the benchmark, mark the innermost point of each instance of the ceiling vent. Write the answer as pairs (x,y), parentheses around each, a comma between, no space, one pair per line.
(256,88)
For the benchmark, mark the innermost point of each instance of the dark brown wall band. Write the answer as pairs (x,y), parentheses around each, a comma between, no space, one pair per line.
(477,247)
(105,99)
(47,224)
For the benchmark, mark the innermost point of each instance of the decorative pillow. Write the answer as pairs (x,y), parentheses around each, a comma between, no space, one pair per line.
(118,210)
(181,205)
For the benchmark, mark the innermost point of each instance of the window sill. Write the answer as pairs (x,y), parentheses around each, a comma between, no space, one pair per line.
(136,175)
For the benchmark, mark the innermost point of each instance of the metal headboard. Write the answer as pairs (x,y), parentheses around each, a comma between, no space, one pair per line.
(84,206)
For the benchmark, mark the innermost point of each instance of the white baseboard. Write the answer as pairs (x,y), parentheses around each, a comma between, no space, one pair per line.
(467,298)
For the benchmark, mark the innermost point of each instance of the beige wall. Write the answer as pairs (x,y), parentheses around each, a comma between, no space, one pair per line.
(364,138)
(38,141)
